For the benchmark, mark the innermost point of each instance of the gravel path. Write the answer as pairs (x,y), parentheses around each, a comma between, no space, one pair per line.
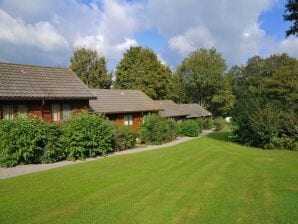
(25,169)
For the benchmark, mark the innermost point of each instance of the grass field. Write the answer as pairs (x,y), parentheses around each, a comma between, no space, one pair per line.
(207,180)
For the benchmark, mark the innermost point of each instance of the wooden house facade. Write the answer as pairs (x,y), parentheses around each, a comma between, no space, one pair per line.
(126,107)
(50,93)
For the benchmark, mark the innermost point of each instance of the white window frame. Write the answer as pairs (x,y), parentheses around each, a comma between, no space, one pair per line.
(66,113)
(56,112)
(128,119)
(7,111)
(22,110)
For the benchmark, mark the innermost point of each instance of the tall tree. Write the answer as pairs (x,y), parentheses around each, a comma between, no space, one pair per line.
(203,72)
(274,79)
(141,69)
(91,68)
(291,14)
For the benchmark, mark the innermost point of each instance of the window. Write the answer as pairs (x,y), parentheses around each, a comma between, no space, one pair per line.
(66,111)
(22,110)
(7,111)
(56,114)
(128,119)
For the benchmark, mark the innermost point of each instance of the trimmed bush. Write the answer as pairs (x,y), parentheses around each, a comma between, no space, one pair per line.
(219,123)
(26,140)
(157,130)
(260,124)
(189,128)
(124,138)
(208,124)
(87,135)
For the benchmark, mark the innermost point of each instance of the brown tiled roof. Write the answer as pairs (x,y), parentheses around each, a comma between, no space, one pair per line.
(170,109)
(194,110)
(35,82)
(111,101)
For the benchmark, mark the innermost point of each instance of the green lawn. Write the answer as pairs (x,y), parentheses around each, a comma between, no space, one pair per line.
(208,180)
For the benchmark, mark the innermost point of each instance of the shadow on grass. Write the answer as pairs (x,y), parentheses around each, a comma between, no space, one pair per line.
(224,136)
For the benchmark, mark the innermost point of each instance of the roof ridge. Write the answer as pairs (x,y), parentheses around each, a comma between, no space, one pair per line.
(38,66)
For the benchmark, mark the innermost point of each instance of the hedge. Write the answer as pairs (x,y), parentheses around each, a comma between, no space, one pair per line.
(28,140)
(157,130)
(189,128)
(123,138)
(87,135)
(219,123)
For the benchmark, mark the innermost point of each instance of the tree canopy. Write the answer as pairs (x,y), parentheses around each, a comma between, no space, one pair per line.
(91,68)
(291,14)
(267,102)
(203,77)
(140,69)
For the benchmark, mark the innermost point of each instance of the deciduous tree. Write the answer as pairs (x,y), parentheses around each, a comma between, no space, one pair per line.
(141,69)
(91,68)
(291,14)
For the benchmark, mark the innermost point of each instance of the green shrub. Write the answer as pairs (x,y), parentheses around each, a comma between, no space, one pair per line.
(189,128)
(53,150)
(87,135)
(124,138)
(219,123)
(157,130)
(201,123)
(283,142)
(261,124)
(208,123)
(26,140)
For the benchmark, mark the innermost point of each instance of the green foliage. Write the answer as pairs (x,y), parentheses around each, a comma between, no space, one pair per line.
(140,69)
(219,123)
(261,124)
(292,16)
(274,78)
(208,123)
(190,128)
(124,138)
(224,100)
(157,130)
(87,135)
(91,68)
(267,93)
(202,75)
(27,140)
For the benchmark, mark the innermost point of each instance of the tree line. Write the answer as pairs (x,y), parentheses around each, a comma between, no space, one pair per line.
(250,93)
(200,78)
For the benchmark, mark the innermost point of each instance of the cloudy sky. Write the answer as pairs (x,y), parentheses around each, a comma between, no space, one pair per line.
(45,32)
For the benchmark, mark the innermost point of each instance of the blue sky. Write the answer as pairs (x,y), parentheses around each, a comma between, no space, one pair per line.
(46,32)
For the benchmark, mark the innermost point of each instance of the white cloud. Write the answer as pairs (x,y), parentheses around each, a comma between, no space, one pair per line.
(41,34)
(192,39)
(104,47)
(289,46)
(231,26)
(51,29)
(115,31)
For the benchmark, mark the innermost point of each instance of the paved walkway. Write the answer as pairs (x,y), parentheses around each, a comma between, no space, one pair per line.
(31,168)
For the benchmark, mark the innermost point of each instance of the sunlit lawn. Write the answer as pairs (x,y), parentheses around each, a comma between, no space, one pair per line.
(207,180)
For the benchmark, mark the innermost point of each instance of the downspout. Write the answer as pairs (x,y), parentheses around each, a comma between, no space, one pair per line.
(42,104)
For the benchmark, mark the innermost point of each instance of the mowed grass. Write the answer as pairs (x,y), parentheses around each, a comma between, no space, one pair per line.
(207,180)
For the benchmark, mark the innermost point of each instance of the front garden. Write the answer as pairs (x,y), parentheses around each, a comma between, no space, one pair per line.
(27,140)
(207,180)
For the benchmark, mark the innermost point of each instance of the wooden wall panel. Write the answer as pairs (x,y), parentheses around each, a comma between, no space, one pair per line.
(34,109)
(47,112)
(120,119)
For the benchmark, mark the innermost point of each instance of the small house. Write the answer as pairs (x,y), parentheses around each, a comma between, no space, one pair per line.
(126,107)
(171,110)
(194,110)
(47,92)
